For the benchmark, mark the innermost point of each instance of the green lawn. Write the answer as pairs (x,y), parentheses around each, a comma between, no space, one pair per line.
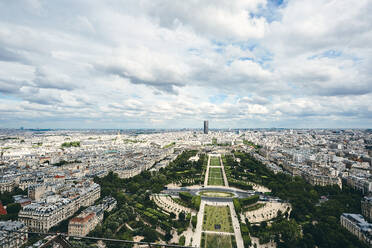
(215,177)
(216,193)
(217,215)
(215,161)
(217,241)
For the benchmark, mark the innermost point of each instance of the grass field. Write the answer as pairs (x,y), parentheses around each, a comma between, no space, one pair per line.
(216,194)
(217,241)
(215,177)
(215,161)
(217,215)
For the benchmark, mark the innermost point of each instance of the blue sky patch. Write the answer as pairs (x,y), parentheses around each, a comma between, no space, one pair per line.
(216,99)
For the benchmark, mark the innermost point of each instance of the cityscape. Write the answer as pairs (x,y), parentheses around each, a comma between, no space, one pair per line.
(193,188)
(185,124)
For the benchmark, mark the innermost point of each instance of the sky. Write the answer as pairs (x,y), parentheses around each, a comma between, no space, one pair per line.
(172,64)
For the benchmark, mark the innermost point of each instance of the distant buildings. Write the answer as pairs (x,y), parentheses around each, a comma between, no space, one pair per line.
(205,127)
(12,239)
(356,224)
(55,176)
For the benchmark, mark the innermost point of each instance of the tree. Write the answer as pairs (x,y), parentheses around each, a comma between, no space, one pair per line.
(168,236)
(172,215)
(13,208)
(181,216)
(194,221)
(149,234)
(182,240)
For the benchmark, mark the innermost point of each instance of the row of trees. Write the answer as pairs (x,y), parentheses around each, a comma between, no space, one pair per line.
(233,173)
(319,222)
(137,209)
(190,200)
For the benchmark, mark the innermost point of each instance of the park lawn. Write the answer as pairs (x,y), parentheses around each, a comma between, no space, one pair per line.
(217,215)
(216,194)
(215,161)
(215,181)
(215,177)
(217,241)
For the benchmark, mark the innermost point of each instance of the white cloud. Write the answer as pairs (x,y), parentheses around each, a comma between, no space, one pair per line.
(159,63)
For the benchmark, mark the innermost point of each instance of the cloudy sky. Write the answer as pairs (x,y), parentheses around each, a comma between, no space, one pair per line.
(174,63)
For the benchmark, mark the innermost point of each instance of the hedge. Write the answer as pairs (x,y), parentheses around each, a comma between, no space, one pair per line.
(240,184)
(194,221)
(186,196)
(237,206)
(250,200)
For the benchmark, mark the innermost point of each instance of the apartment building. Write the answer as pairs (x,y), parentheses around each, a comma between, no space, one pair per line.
(41,216)
(367,208)
(82,224)
(86,221)
(359,183)
(7,184)
(12,239)
(321,180)
(357,225)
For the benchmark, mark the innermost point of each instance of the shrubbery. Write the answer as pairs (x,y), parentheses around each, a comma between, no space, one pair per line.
(250,200)
(194,221)
(190,200)
(182,240)
(71,144)
(240,184)
(237,206)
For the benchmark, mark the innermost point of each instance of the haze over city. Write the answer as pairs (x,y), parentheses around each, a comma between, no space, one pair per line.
(173,64)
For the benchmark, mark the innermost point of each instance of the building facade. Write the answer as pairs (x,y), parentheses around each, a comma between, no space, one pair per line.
(10,239)
(321,180)
(6,184)
(82,224)
(362,184)
(85,222)
(367,208)
(206,127)
(356,224)
(41,216)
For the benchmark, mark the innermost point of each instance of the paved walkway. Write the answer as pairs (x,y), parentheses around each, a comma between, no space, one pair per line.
(219,233)
(268,212)
(264,213)
(207,171)
(236,226)
(166,203)
(224,174)
(199,226)
(226,202)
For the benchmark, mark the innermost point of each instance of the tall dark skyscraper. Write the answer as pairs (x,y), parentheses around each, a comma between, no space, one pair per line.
(206,127)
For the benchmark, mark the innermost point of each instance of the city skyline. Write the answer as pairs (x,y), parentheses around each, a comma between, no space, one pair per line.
(150,64)
(219,187)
